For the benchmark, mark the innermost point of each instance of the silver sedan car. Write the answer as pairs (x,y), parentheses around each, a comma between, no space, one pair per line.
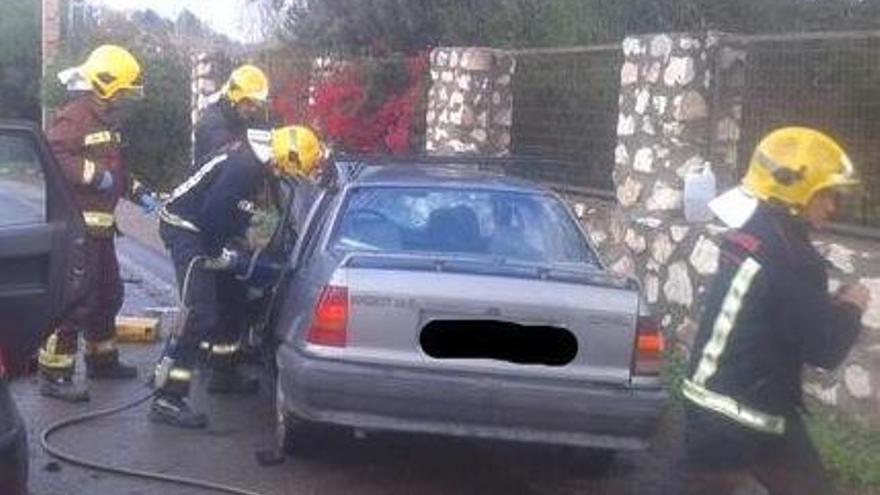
(445,300)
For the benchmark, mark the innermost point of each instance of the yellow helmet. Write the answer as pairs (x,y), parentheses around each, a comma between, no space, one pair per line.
(247,83)
(792,164)
(111,69)
(296,151)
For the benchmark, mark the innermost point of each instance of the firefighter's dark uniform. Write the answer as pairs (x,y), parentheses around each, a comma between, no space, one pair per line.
(86,144)
(767,314)
(204,213)
(218,126)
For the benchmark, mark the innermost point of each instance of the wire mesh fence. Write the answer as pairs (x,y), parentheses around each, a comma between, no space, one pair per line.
(829,82)
(565,106)
(565,114)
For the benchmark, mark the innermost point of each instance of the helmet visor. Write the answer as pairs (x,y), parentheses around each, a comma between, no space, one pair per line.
(134,93)
(843,183)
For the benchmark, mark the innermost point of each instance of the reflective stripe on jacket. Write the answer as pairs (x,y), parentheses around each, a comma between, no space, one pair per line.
(767,314)
(86,145)
(215,200)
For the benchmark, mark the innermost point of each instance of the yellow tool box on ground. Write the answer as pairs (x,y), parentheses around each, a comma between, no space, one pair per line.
(136,329)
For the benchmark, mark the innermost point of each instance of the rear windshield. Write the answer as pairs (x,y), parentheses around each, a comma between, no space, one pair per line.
(516,226)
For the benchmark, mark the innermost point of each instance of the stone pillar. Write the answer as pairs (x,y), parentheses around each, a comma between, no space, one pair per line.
(470,103)
(50,21)
(670,101)
(206,80)
(681,105)
(51,30)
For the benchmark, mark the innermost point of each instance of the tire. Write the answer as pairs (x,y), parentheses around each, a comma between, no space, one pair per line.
(293,436)
(14,450)
(588,460)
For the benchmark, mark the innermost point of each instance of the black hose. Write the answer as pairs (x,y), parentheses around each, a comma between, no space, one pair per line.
(108,411)
(60,454)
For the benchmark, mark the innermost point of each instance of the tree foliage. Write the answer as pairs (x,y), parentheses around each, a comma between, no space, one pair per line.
(361,27)
(371,26)
(19,59)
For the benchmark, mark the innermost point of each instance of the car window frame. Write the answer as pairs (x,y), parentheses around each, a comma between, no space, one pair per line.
(38,161)
(313,228)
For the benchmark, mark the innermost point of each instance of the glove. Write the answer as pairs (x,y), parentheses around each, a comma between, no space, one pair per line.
(106,181)
(229,260)
(222,262)
(149,203)
(265,273)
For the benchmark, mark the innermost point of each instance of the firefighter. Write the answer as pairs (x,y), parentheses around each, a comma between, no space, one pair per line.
(201,224)
(768,313)
(85,139)
(240,104)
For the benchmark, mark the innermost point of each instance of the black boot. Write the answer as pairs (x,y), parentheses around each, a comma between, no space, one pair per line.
(229,380)
(63,388)
(175,411)
(107,366)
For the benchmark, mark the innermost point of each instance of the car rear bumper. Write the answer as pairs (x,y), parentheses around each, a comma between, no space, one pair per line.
(509,408)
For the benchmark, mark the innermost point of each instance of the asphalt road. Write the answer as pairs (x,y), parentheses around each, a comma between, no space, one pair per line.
(377,464)
(224,453)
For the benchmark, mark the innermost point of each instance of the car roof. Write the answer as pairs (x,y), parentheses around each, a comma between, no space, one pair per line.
(441,175)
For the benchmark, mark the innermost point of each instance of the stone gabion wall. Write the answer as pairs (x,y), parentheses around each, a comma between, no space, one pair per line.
(681,105)
(470,103)
(205,81)
(855,386)
(209,73)
(663,132)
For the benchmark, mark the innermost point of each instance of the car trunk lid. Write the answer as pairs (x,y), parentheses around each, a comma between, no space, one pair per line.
(470,314)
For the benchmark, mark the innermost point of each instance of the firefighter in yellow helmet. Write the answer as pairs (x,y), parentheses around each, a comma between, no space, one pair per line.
(85,139)
(768,313)
(241,104)
(201,224)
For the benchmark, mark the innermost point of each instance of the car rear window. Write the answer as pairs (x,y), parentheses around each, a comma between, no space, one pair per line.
(519,226)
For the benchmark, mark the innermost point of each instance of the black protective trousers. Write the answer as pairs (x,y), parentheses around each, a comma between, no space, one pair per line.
(215,300)
(95,316)
(719,456)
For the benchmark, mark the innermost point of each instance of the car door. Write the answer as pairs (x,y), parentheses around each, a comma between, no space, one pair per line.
(296,288)
(42,240)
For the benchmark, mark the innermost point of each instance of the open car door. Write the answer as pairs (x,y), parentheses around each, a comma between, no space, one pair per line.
(42,238)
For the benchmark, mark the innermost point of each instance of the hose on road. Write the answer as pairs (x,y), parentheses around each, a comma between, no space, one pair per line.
(58,453)
(137,400)
(77,460)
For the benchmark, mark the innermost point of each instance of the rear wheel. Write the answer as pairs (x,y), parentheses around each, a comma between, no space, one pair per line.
(13,455)
(293,436)
(590,460)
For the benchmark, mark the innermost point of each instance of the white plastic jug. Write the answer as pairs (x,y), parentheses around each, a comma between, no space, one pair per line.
(699,190)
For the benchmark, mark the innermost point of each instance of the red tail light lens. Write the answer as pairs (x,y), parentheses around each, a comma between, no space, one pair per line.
(4,369)
(648,360)
(330,322)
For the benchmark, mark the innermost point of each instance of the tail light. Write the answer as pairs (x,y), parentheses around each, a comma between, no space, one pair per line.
(4,368)
(648,359)
(330,322)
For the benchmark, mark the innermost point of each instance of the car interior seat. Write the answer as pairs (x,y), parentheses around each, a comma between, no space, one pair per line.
(454,229)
